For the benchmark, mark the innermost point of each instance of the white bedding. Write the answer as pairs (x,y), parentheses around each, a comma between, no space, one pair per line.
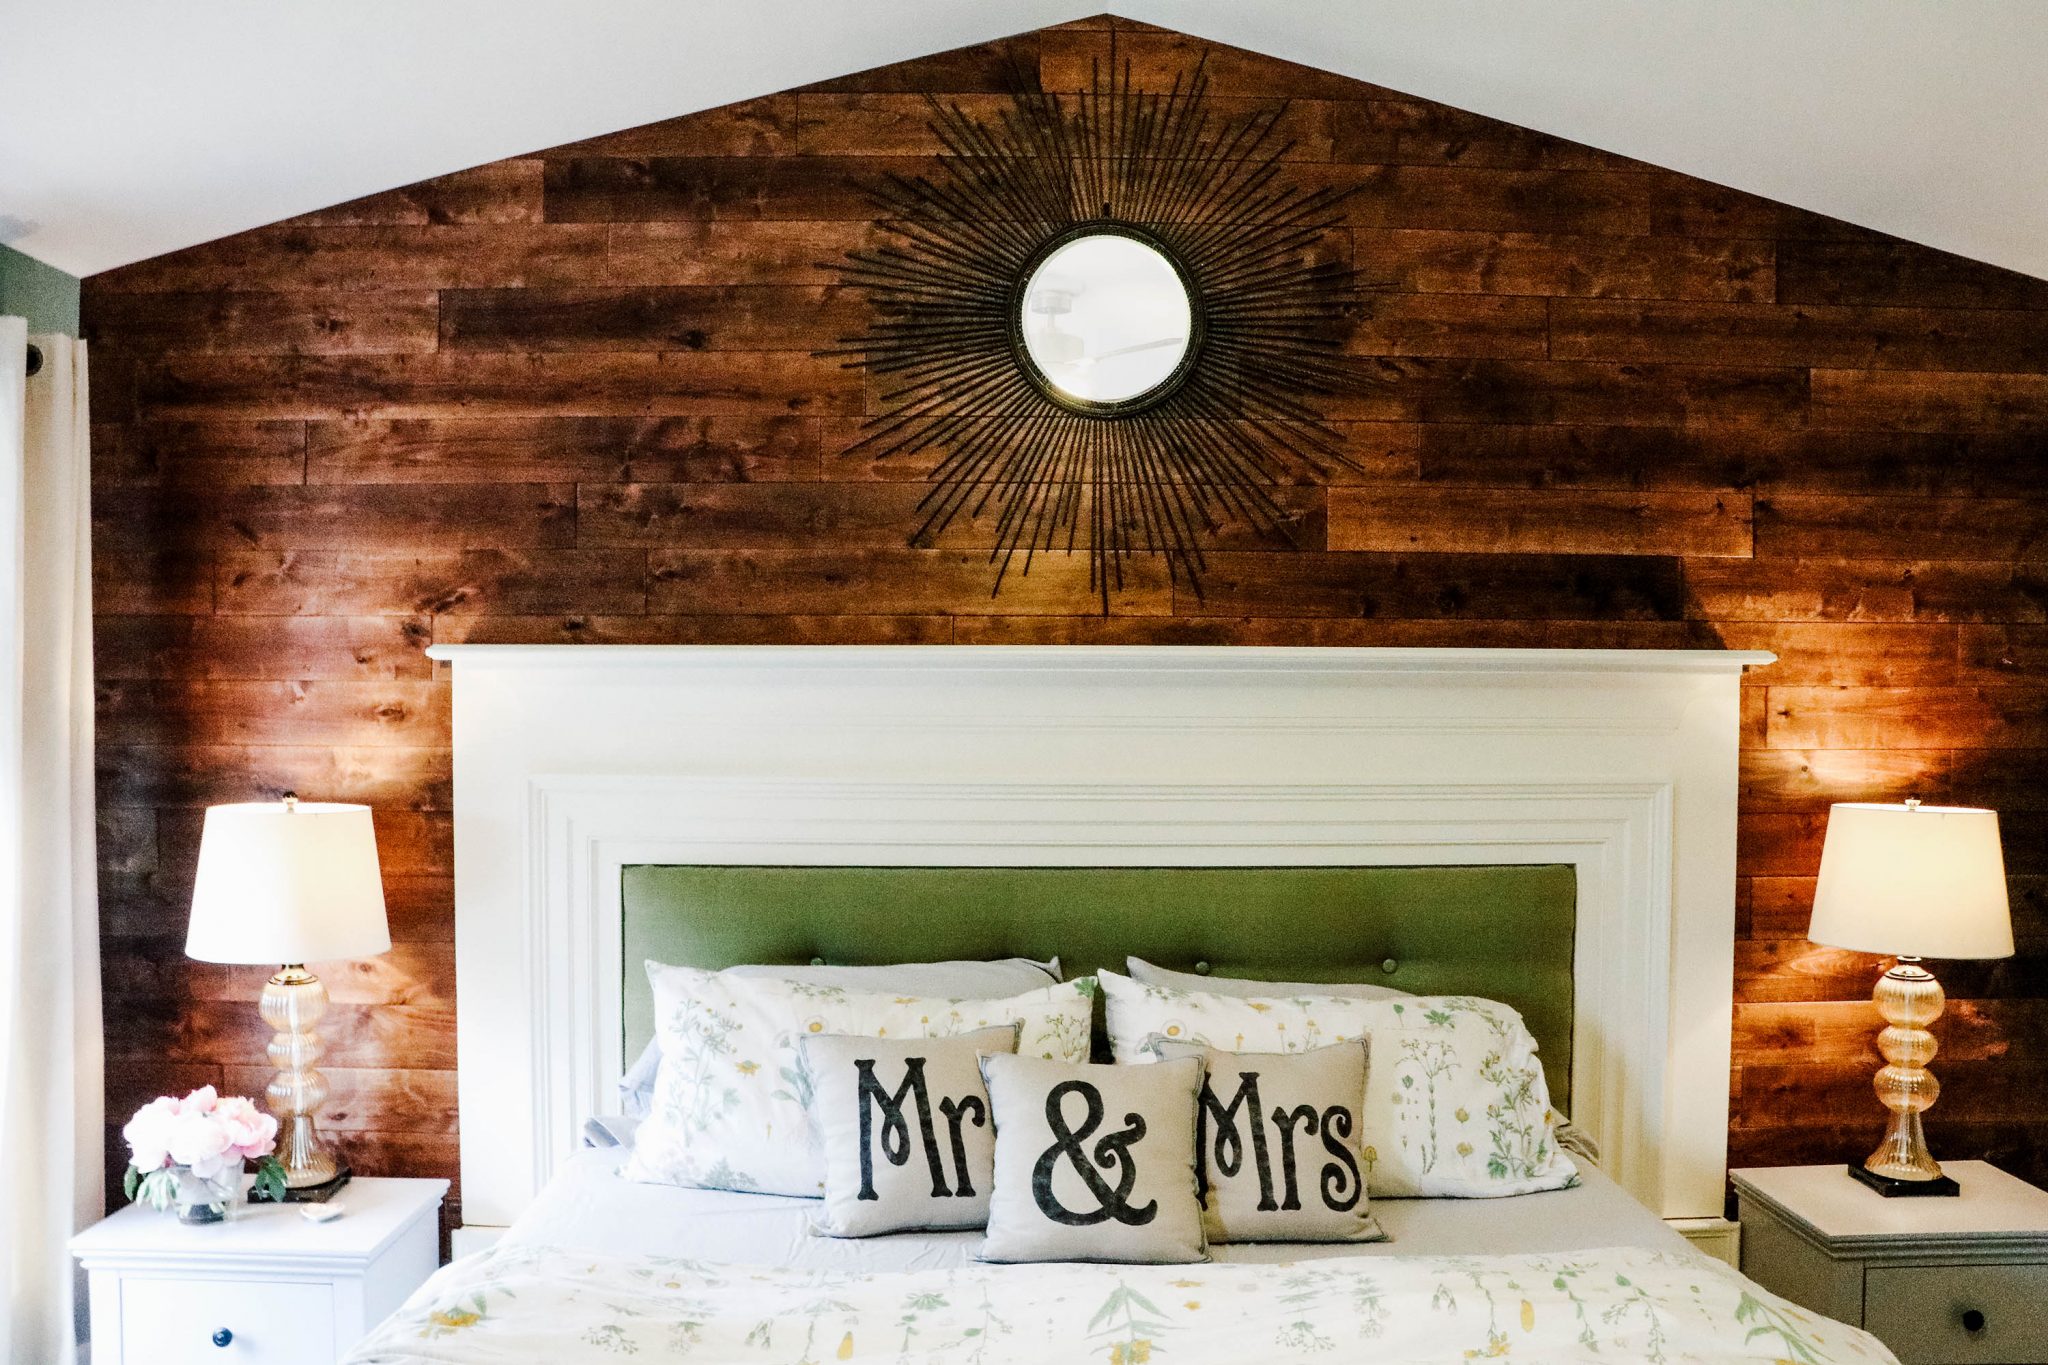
(587,1207)
(534,1305)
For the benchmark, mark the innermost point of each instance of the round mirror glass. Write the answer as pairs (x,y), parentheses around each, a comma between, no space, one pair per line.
(1106,318)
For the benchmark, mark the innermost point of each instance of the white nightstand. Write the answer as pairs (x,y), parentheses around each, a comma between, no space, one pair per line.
(1960,1281)
(266,1287)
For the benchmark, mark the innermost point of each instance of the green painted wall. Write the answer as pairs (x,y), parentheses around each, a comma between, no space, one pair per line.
(43,294)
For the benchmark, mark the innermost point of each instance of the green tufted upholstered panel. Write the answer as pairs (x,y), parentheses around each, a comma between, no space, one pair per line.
(1503,932)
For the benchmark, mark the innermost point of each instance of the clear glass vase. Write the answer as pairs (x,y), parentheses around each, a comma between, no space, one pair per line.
(202,1200)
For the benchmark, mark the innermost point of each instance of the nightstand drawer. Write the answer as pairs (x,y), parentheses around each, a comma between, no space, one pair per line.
(1926,1313)
(267,1322)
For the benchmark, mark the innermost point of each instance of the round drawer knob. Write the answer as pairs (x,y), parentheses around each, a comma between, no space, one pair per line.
(1973,1319)
(223,1337)
(1390,966)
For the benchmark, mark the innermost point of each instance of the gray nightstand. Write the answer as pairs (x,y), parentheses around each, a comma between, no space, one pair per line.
(1960,1281)
(266,1287)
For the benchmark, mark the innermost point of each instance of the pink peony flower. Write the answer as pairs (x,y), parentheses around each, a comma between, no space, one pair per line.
(200,1101)
(201,1144)
(148,1134)
(250,1131)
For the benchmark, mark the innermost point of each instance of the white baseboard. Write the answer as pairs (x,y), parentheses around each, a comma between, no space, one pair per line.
(1717,1237)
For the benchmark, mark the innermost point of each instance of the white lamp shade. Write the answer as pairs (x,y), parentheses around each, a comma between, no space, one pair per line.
(285,883)
(1912,881)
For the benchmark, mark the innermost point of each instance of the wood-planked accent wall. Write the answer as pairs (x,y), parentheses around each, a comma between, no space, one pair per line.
(569,397)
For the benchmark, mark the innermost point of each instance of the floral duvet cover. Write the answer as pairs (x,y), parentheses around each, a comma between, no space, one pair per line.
(543,1306)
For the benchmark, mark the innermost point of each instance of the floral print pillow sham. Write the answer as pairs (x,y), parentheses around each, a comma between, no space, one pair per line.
(1455,1103)
(732,1095)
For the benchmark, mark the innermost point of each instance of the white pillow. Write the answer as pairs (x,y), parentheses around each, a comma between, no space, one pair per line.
(732,1091)
(967,980)
(1455,1102)
(1149,974)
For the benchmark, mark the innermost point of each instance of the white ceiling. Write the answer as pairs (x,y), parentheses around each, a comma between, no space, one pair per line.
(133,127)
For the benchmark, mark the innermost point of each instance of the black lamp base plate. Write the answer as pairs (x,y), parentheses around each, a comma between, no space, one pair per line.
(310,1194)
(1891,1187)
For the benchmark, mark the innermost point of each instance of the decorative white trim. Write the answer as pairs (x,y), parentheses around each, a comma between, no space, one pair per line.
(570,766)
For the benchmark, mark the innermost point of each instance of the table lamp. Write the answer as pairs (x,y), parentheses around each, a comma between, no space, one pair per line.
(290,882)
(1910,881)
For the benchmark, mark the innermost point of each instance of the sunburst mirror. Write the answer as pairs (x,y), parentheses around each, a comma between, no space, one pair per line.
(1109,322)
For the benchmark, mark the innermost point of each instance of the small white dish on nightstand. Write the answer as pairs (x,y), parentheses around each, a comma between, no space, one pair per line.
(321,1213)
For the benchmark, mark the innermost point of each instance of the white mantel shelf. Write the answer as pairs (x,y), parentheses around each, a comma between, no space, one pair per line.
(1177,659)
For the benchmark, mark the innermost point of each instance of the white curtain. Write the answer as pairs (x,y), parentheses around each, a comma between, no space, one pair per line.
(50,1046)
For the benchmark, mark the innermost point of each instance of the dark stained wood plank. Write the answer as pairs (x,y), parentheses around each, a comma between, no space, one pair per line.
(1909,717)
(189,774)
(409,974)
(1892,273)
(178,1029)
(1775,780)
(678,189)
(1930,400)
(1457,389)
(1156,58)
(2003,653)
(1801,526)
(1770,334)
(1417,132)
(1842,1033)
(1873,590)
(198,454)
(314,322)
(373,259)
(864,515)
(414,1102)
(900,125)
(1847,654)
(497,628)
(1555,264)
(342,647)
(1479,586)
(131,582)
(1471,325)
(489,384)
(891,582)
(759,127)
(242,712)
(432,582)
(1478,199)
(1493,521)
(990,68)
(717,318)
(726,449)
(2013,781)
(337,517)
(501,192)
(1325,632)
(1890,464)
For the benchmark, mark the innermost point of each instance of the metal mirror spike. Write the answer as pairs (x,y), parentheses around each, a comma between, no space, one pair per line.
(1271,308)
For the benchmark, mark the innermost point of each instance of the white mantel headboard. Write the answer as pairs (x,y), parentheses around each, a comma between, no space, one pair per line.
(572,761)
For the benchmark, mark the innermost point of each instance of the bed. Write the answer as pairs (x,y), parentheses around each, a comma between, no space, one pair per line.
(1551,831)
(599,1265)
